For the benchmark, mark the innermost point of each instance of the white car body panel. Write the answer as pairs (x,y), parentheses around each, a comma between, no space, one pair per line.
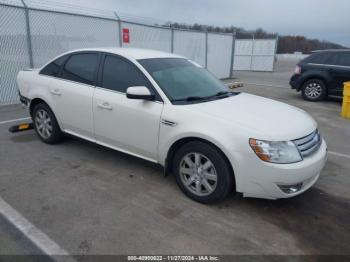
(148,129)
(72,103)
(127,124)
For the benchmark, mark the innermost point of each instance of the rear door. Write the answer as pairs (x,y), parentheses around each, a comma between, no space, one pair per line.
(72,93)
(340,71)
(128,125)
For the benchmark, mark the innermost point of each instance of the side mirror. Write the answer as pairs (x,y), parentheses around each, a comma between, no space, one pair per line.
(139,92)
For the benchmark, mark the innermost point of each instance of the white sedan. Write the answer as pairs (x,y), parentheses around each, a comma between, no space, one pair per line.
(169,110)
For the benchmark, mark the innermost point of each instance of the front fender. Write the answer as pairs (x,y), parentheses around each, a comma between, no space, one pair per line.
(229,150)
(231,137)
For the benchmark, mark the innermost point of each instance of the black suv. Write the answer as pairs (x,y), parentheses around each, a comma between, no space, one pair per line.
(322,73)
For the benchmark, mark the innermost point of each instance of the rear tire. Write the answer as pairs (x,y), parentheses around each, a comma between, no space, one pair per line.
(202,172)
(46,125)
(314,90)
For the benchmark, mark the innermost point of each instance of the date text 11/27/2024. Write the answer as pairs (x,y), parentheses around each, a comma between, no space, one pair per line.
(173,258)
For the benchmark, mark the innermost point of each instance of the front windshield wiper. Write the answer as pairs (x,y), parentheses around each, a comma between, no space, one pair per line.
(190,98)
(196,98)
(221,93)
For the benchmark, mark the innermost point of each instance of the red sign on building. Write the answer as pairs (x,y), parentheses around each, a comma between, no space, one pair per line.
(126,35)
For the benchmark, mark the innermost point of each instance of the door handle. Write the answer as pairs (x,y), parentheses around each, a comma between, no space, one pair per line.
(56,92)
(105,105)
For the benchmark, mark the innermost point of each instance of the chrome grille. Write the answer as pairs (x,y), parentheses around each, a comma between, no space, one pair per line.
(309,144)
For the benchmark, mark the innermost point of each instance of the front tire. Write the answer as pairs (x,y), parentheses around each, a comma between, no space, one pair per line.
(314,90)
(202,172)
(45,124)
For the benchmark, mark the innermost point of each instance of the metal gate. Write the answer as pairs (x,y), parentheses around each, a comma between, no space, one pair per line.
(191,44)
(254,55)
(219,60)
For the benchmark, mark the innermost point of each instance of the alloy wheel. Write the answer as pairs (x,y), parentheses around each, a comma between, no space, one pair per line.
(198,174)
(43,124)
(313,90)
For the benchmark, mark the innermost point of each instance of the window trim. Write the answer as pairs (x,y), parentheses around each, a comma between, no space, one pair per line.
(329,65)
(94,82)
(104,55)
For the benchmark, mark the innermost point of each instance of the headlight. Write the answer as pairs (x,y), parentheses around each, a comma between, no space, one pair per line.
(275,152)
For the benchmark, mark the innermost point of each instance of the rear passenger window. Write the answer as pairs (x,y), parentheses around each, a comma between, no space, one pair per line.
(81,68)
(54,67)
(119,74)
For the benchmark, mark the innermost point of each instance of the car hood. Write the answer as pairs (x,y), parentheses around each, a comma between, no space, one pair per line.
(272,119)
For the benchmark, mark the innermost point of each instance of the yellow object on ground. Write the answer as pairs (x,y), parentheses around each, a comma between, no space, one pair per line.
(23,126)
(346,101)
(234,85)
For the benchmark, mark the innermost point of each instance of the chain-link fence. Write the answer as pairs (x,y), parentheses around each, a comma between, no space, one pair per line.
(32,33)
(13,50)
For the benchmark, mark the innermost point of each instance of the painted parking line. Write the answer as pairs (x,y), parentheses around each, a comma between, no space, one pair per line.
(338,154)
(14,120)
(46,245)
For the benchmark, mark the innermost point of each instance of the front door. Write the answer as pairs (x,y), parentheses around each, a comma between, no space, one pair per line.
(126,124)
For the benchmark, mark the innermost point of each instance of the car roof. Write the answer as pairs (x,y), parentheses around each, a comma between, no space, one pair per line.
(135,53)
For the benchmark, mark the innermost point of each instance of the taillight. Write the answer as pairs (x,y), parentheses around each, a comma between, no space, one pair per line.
(297,70)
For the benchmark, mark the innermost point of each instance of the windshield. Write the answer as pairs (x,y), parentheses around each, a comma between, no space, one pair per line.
(182,80)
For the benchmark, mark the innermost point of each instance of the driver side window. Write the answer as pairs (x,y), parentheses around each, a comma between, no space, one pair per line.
(118,75)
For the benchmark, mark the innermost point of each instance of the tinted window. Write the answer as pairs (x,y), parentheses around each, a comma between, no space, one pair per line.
(343,59)
(54,67)
(81,68)
(119,74)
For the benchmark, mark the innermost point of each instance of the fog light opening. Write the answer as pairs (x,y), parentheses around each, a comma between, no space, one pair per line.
(290,189)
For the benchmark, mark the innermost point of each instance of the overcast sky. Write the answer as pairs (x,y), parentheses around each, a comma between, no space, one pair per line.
(323,19)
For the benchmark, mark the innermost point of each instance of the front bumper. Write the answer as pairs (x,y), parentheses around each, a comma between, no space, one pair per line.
(295,82)
(266,180)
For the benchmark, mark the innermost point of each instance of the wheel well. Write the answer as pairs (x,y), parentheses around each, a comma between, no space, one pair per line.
(175,146)
(33,103)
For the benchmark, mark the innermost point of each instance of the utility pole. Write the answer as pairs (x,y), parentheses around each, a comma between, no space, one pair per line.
(29,35)
(119,29)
